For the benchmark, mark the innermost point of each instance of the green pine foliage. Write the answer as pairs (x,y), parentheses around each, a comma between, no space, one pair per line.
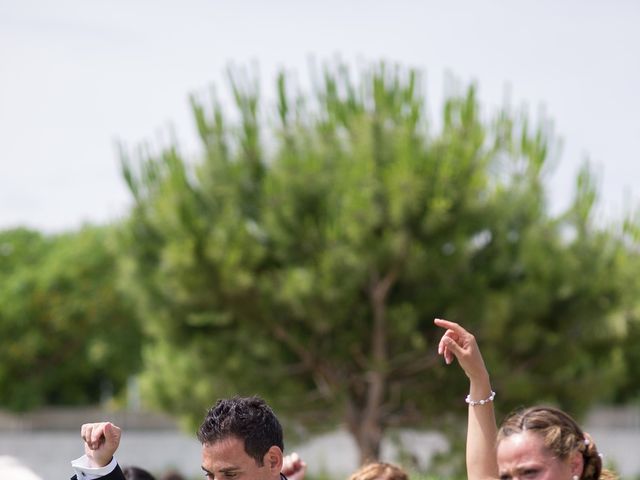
(305,254)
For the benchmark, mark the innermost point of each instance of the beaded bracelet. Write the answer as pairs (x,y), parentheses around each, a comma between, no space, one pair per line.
(475,403)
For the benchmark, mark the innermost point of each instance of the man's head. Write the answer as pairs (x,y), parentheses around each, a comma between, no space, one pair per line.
(241,438)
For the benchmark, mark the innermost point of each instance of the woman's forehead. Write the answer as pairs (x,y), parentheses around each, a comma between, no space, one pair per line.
(522,446)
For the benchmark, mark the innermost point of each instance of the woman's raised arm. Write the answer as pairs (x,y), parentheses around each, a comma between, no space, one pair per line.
(481,429)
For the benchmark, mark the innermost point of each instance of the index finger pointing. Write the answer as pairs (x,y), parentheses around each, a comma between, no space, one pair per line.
(450,325)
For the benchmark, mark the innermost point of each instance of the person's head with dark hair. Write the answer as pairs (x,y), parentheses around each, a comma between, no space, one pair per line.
(172,475)
(137,473)
(241,437)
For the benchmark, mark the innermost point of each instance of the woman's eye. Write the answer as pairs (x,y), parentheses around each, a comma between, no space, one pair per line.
(530,473)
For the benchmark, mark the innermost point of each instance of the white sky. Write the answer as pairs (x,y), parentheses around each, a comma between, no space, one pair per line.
(77,75)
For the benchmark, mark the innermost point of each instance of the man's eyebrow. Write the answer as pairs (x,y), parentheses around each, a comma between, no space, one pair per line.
(229,469)
(222,470)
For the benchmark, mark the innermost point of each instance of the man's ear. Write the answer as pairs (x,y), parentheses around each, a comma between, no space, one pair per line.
(273,459)
(576,462)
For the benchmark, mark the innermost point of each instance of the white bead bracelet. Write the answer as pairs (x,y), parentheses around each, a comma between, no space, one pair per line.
(475,403)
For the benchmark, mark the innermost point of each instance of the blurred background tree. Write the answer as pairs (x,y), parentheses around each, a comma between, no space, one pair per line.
(305,254)
(69,336)
(628,318)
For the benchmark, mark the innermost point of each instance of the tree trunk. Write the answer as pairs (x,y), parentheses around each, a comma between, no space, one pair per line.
(367,432)
(365,417)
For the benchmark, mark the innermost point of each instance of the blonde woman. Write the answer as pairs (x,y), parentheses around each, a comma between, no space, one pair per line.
(379,471)
(537,443)
(294,468)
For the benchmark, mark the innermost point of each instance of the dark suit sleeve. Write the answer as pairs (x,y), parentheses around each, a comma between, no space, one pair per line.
(116,474)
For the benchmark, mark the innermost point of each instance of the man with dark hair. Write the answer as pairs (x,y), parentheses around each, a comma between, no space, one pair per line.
(241,439)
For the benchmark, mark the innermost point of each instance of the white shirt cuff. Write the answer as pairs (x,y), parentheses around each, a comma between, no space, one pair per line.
(85,472)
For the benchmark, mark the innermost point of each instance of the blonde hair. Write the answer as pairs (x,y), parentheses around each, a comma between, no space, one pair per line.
(561,435)
(379,471)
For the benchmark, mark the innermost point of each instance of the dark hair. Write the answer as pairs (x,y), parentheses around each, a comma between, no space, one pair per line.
(172,475)
(137,473)
(561,435)
(249,419)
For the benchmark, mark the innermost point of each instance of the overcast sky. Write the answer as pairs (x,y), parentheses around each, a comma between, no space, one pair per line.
(75,76)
